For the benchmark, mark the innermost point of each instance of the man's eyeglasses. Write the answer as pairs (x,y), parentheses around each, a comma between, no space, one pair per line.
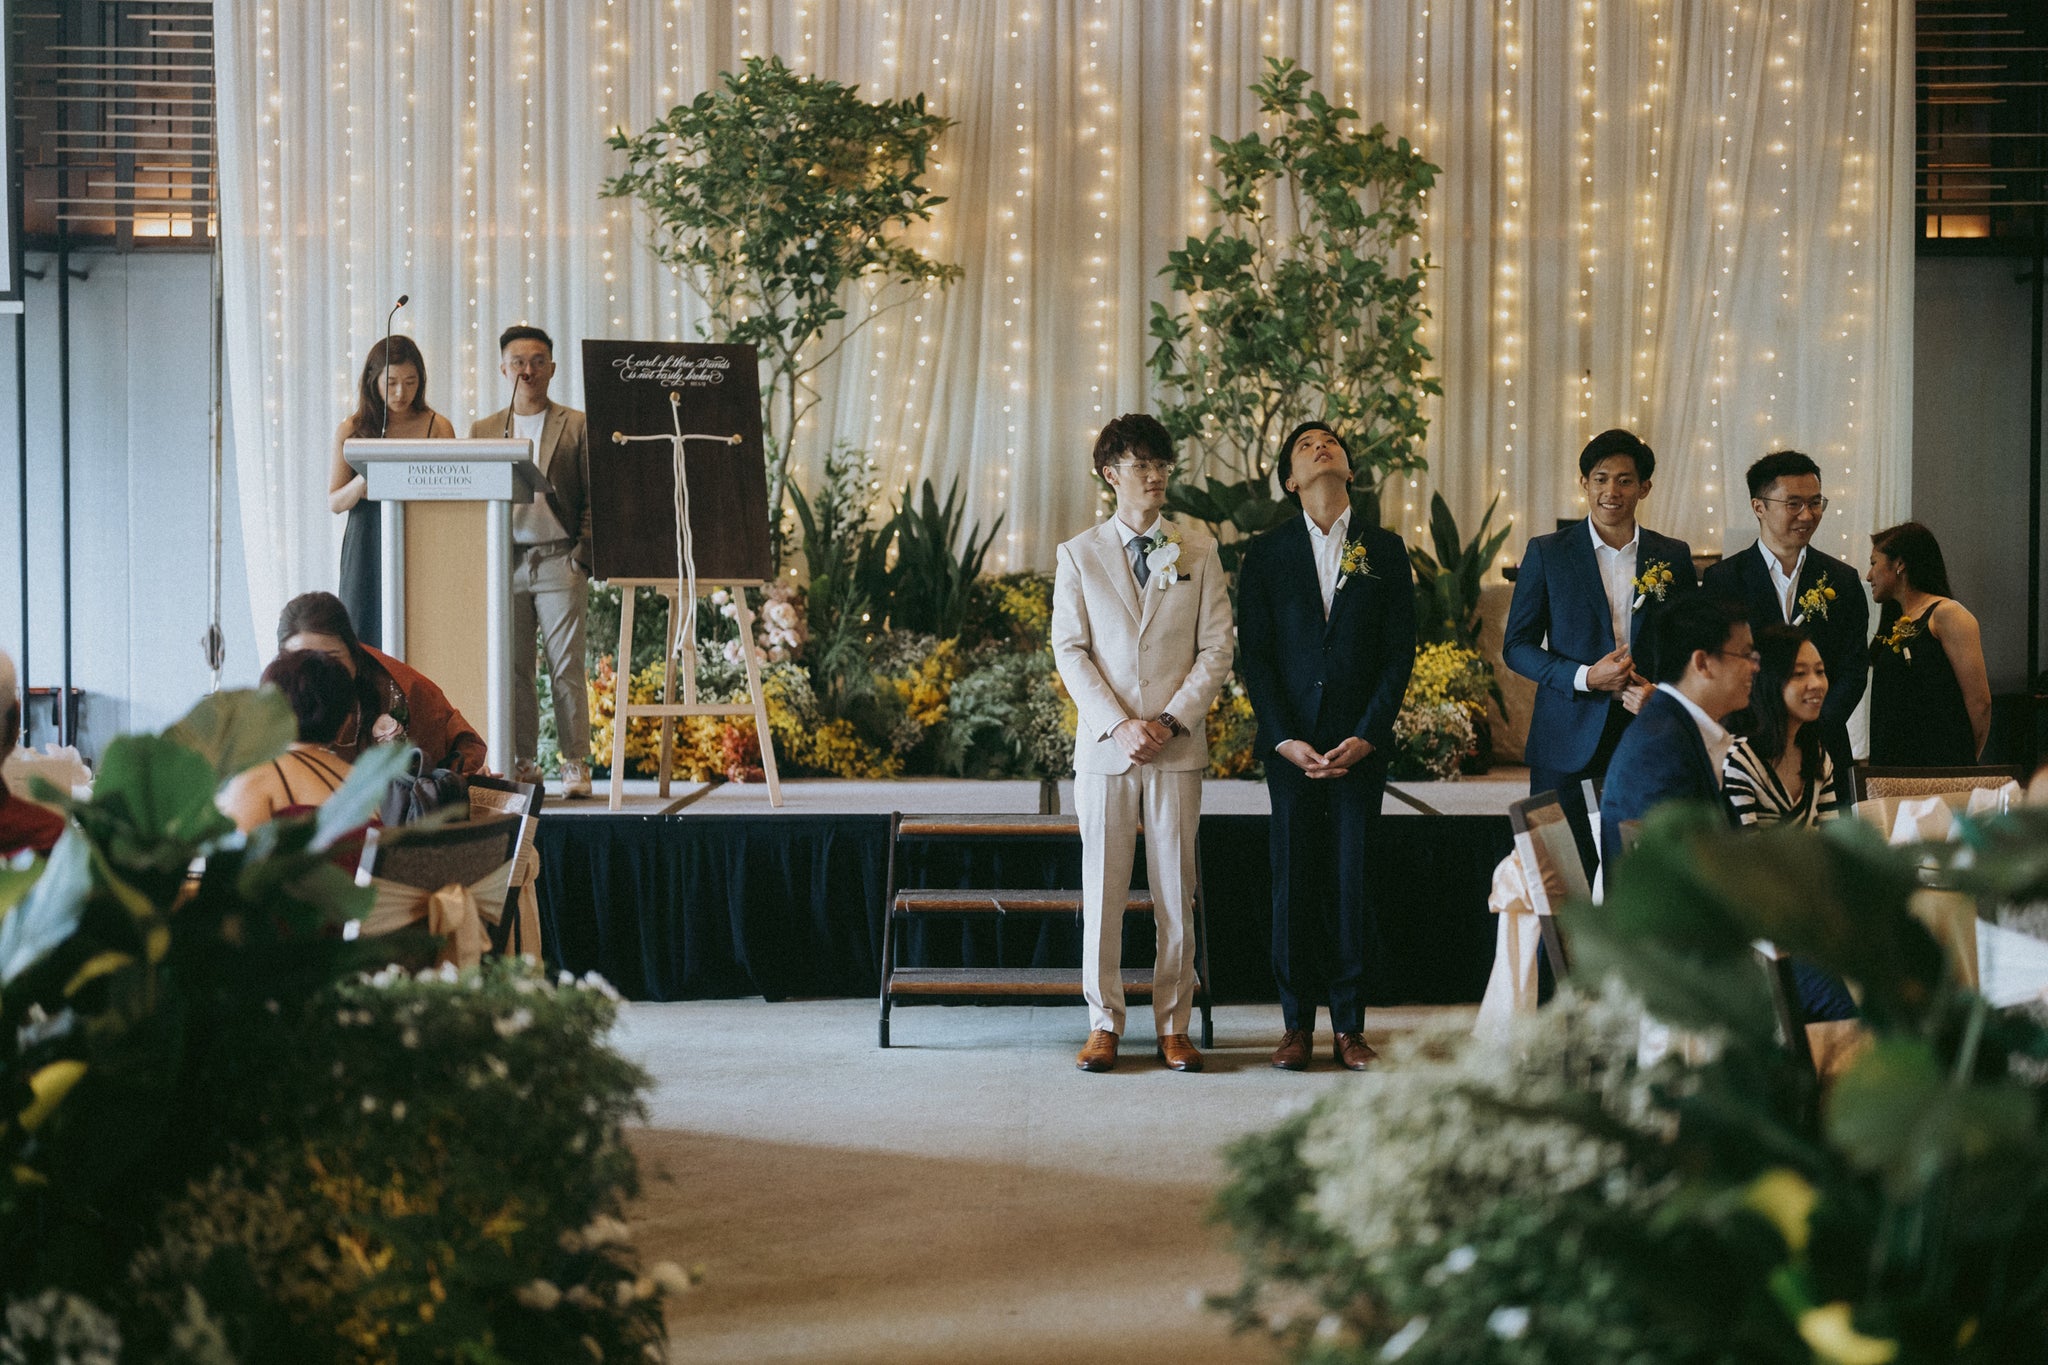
(1145,468)
(1813,505)
(1741,654)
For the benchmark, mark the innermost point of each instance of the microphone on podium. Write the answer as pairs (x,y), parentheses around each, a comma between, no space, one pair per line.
(383,388)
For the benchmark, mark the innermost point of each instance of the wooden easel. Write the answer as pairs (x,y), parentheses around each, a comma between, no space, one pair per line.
(668,708)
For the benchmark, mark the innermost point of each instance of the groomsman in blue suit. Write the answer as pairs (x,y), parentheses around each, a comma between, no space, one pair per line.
(1782,578)
(1581,597)
(1706,663)
(1325,641)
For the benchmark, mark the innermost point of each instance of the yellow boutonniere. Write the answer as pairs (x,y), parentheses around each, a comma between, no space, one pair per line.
(1654,581)
(1353,562)
(1814,601)
(1902,633)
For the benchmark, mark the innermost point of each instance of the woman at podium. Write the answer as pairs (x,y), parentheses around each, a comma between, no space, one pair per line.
(391,401)
(394,703)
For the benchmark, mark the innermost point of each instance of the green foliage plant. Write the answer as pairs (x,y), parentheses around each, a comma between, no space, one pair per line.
(929,561)
(1536,1198)
(1303,301)
(776,197)
(1447,583)
(177,1047)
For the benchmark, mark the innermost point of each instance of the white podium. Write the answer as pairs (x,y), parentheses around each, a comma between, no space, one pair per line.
(446,579)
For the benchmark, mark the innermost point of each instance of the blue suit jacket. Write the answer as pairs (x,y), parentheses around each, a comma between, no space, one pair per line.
(1842,636)
(1319,680)
(1559,620)
(1660,758)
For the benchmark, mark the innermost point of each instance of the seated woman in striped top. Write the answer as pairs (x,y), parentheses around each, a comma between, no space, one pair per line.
(1779,770)
(1779,773)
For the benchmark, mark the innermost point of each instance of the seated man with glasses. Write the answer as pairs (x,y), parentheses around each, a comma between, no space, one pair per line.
(1782,578)
(1677,746)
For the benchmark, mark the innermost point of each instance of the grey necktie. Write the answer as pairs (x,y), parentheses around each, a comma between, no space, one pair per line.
(1139,546)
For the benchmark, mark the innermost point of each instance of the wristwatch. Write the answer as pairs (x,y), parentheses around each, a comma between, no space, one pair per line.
(1166,718)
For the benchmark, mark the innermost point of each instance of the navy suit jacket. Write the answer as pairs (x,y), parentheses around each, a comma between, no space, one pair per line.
(1559,619)
(1842,636)
(1319,680)
(1660,758)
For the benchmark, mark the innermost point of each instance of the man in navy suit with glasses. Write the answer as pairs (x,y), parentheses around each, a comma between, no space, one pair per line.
(1784,578)
(1582,597)
(1325,643)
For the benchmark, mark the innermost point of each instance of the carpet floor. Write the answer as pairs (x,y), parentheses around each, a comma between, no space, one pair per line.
(965,1195)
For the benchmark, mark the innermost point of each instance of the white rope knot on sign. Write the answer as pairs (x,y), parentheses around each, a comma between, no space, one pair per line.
(686,561)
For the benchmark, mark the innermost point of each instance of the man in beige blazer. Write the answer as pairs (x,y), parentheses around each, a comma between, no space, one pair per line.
(1142,634)
(551,558)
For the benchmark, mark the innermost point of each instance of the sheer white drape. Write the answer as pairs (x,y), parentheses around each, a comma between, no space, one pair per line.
(1687,218)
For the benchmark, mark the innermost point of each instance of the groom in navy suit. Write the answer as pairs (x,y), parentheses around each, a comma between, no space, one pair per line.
(1783,578)
(1581,597)
(1325,641)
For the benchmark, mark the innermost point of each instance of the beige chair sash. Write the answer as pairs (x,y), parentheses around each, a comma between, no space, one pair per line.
(457,914)
(1511,988)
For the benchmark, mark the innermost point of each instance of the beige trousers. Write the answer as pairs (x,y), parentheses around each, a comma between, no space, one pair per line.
(1111,807)
(548,597)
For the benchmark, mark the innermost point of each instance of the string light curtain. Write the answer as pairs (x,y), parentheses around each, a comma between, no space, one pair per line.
(1688,217)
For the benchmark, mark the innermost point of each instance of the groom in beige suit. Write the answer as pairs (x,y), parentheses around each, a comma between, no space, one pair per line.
(1142,634)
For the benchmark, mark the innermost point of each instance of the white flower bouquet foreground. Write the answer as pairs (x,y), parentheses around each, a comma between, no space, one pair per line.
(1552,1200)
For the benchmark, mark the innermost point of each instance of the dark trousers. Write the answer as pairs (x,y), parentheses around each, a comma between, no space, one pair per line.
(1570,798)
(1324,931)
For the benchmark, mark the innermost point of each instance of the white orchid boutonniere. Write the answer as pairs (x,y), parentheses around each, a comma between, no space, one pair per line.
(1654,581)
(1354,561)
(1163,558)
(1814,602)
(1899,641)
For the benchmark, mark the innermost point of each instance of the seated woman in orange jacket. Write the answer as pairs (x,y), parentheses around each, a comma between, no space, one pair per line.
(394,703)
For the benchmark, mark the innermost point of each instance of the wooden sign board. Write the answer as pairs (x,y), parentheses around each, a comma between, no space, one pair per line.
(633,497)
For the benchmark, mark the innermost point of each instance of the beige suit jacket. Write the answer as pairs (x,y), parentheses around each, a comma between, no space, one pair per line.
(1125,652)
(564,461)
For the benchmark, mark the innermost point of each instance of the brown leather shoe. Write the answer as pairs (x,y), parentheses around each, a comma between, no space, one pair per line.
(1352,1052)
(1100,1052)
(1296,1046)
(1178,1053)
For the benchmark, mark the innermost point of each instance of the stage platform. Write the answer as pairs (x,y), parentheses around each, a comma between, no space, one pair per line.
(1488,795)
(714,894)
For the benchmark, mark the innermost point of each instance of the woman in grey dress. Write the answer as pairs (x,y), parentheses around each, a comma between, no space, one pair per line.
(391,400)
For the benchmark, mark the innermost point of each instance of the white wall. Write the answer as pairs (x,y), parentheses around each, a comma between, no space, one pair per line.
(1972,347)
(139,455)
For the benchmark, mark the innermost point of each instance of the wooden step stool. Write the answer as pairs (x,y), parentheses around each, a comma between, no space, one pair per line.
(982,984)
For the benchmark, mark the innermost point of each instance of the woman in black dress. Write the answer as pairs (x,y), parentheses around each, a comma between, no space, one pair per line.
(1930,698)
(391,400)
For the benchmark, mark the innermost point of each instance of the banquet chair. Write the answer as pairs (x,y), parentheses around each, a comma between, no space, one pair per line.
(446,872)
(1551,866)
(1787,1013)
(1874,782)
(517,933)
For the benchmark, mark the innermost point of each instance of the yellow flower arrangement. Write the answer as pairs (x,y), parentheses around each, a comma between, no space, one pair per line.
(1814,601)
(1026,600)
(1654,581)
(1447,672)
(1233,732)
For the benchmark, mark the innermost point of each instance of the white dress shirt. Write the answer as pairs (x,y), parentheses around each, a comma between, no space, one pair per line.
(1123,529)
(1712,733)
(1327,549)
(534,523)
(1787,587)
(1618,576)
